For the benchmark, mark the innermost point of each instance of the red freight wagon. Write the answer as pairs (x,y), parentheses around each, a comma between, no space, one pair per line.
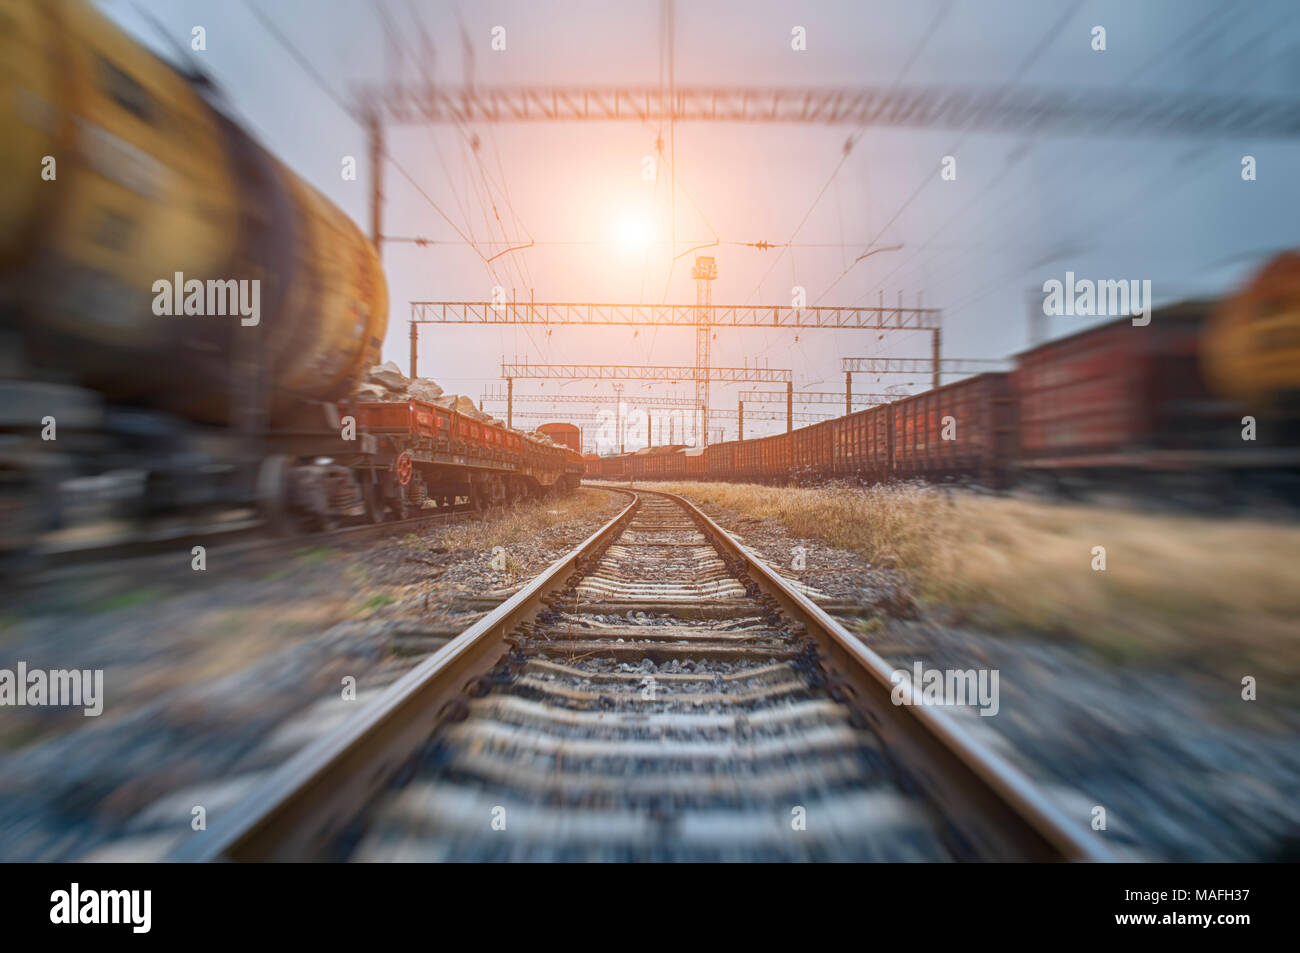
(614,468)
(981,421)
(1123,396)
(406,417)
(648,465)
(774,459)
(563,434)
(861,443)
(673,465)
(468,431)
(720,460)
(695,463)
(635,465)
(812,450)
(747,459)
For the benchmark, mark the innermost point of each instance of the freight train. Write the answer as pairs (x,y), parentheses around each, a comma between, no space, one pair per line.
(184,321)
(1206,397)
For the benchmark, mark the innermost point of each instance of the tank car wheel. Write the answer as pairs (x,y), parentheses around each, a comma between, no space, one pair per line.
(373,494)
(273,495)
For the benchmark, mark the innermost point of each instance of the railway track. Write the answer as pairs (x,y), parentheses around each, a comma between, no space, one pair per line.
(655,695)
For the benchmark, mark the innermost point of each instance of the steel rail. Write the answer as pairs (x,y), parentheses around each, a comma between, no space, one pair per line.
(316,793)
(990,801)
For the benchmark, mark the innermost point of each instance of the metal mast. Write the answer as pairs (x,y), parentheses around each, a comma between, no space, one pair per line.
(704,272)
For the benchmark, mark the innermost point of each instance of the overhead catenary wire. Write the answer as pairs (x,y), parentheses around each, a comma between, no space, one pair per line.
(1178,43)
(311,71)
(930,178)
(852,141)
(1011,213)
(482,188)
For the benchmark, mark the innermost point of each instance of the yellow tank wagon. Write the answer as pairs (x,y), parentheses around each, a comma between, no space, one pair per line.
(119,180)
(193,315)
(1252,347)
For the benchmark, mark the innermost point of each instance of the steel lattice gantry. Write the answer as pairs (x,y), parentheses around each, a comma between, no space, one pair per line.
(619,401)
(643,372)
(917,365)
(666,404)
(1121,111)
(722,413)
(701,316)
(935,366)
(995,109)
(648,372)
(633,400)
(881,318)
(819,397)
(585,415)
(630,400)
(810,397)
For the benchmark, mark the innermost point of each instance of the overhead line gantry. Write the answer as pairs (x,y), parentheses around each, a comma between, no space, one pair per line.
(819,397)
(995,109)
(918,365)
(703,316)
(648,372)
(593,314)
(632,400)
(643,372)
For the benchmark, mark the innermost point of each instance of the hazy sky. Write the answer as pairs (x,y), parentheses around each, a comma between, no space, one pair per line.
(1022,209)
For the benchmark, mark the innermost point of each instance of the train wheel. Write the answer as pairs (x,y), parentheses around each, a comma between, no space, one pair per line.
(374,500)
(273,495)
(398,508)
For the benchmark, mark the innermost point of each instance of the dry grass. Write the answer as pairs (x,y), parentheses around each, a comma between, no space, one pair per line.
(524,521)
(1175,585)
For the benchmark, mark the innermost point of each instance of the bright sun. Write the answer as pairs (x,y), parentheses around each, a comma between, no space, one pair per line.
(634,233)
